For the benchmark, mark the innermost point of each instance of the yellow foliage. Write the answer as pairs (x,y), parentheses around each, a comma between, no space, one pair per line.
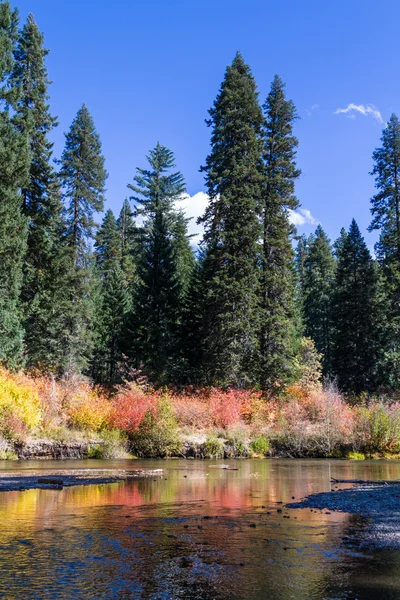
(19,404)
(89,410)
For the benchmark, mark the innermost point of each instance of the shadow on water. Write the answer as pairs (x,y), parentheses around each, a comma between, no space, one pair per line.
(199,532)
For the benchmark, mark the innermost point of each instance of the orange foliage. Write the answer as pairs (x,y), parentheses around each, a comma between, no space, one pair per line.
(130,406)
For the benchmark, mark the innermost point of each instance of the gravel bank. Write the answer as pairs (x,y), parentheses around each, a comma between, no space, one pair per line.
(57,479)
(378,508)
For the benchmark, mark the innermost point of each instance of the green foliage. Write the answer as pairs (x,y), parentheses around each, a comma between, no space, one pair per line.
(113,303)
(385,209)
(278,326)
(213,447)
(157,435)
(236,444)
(355,456)
(43,267)
(14,167)
(83,178)
(164,264)
(234,174)
(318,285)
(355,315)
(260,445)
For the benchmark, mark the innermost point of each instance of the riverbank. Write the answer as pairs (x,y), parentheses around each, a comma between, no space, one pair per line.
(44,418)
(201,446)
(377,506)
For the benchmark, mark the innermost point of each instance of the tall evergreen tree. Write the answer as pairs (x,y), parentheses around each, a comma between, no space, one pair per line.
(385,209)
(14,166)
(43,273)
(317,296)
(355,315)
(83,178)
(278,320)
(113,305)
(159,291)
(128,238)
(234,174)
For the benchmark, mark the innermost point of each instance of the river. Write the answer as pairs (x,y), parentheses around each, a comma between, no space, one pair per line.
(198,532)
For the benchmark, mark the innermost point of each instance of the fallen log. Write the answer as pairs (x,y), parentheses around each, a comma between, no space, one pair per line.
(51,480)
(224,467)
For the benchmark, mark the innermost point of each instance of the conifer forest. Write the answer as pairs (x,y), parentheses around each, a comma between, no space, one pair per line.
(255,319)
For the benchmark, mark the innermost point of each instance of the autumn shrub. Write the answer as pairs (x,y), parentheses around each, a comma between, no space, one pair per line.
(317,423)
(88,409)
(130,406)
(308,365)
(193,411)
(230,407)
(51,395)
(377,427)
(19,405)
(157,434)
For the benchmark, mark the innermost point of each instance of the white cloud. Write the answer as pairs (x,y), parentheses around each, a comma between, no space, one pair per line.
(302,216)
(194,207)
(364,109)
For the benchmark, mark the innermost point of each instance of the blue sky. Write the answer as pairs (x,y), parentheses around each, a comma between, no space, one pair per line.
(149,71)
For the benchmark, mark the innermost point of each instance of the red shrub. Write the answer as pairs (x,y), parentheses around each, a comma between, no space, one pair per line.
(228,407)
(130,406)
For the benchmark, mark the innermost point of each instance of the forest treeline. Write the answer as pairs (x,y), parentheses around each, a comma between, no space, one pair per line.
(242,310)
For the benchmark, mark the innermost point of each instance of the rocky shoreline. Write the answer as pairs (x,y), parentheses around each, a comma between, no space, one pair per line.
(377,506)
(60,478)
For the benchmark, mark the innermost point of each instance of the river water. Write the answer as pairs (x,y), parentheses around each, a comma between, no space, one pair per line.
(196,533)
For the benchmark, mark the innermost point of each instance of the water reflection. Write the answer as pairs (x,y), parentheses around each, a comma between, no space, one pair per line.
(197,533)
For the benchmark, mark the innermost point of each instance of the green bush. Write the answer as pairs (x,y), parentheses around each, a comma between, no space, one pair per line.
(213,447)
(157,435)
(355,456)
(260,445)
(236,445)
(95,452)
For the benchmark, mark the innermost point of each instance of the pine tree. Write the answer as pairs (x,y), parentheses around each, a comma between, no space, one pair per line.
(317,296)
(385,209)
(83,178)
(191,334)
(355,315)
(234,174)
(128,237)
(113,302)
(159,291)
(278,320)
(43,276)
(14,165)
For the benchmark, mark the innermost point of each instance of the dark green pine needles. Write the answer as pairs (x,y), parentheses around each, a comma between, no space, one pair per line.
(355,315)
(83,178)
(164,264)
(278,315)
(14,175)
(234,177)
